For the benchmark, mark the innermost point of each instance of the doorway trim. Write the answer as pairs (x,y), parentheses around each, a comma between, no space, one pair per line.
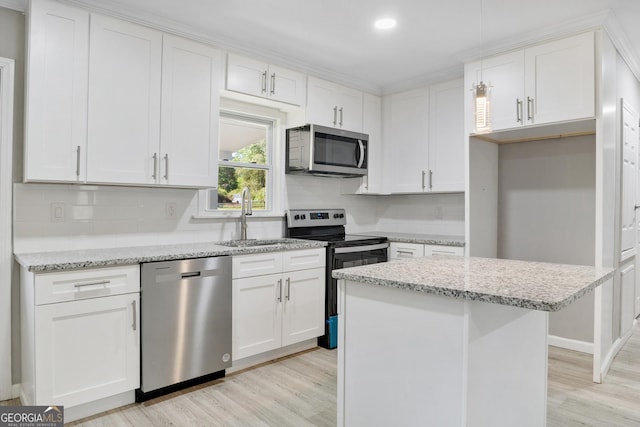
(7,70)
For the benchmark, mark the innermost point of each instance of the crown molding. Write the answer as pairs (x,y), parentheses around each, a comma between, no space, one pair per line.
(19,5)
(622,44)
(565,29)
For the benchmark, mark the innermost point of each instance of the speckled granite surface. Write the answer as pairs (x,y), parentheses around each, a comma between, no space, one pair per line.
(69,260)
(425,239)
(531,285)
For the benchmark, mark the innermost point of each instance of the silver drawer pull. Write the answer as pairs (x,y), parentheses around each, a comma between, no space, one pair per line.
(98,282)
(134,325)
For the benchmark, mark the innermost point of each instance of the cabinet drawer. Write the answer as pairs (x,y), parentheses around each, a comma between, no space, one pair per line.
(74,285)
(303,260)
(256,265)
(405,250)
(430,250)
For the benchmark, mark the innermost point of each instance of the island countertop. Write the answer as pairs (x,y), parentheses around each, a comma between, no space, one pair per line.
(530,285)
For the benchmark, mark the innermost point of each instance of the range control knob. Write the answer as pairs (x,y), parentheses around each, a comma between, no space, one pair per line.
(336,215)
(341,215)
(303,216)
(297,217)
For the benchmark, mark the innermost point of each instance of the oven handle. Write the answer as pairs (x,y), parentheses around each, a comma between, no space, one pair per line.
(355,249)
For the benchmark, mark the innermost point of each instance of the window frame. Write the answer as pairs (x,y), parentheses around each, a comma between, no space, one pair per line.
(274,167)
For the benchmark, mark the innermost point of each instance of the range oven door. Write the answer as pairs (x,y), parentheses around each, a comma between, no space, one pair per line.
(351,257)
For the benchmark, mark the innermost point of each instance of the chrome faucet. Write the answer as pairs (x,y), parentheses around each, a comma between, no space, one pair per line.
(246,210)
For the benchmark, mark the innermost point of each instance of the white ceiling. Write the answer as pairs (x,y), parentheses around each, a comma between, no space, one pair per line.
(335,39)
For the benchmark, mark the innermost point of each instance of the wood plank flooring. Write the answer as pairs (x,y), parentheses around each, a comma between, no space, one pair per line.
(301,391)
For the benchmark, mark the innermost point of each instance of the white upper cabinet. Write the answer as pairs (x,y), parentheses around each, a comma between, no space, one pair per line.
(188,152)
(560,80)
(406,132)
(118,103)
(56,104)
(257,78)
(333,105)
(446,136)
(424,139)
(546,83)
(504,74)
(124,101)
(372,126)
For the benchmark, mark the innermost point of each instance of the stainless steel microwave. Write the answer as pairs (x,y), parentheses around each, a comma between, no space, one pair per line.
(322,150)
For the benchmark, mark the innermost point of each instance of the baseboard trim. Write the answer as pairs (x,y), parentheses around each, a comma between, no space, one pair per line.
(570,344)
(15,390)
(268,356)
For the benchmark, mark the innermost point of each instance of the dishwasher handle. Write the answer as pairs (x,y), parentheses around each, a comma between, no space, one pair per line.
(190,275)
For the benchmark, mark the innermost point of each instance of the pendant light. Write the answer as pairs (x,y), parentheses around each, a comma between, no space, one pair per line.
(481,93)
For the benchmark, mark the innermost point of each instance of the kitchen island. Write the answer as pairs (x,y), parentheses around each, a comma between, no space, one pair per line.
(450,341)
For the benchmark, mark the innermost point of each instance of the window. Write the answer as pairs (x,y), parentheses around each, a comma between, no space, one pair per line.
(244,159)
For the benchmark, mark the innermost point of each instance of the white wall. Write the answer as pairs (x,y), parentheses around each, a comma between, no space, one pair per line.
(546,213)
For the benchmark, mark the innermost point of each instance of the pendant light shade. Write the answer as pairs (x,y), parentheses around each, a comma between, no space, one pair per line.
(482,108)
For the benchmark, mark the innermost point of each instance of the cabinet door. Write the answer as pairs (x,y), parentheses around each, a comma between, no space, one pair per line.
(124,102)
(86,350)
(322,105)
(303,297)
(446,136)
(627,306)
(372,126)
(246,75)
(504,74)
(190,108)
(405,250)
(257,315)
(560,80)
(349,108)
(56,107)
(406,140)
(287,86)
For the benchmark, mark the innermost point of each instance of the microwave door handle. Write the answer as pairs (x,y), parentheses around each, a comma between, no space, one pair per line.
(361,151)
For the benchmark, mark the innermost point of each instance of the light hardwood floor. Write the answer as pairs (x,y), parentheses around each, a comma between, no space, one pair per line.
(300,391)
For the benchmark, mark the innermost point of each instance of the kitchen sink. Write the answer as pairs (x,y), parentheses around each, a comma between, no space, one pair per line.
(257,242)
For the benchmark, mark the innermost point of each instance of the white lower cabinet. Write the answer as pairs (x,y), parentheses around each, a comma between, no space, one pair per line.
(271,311)
(399,250)
(80,337)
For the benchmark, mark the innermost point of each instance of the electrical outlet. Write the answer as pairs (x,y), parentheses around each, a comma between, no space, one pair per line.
(170,210)
(57,212)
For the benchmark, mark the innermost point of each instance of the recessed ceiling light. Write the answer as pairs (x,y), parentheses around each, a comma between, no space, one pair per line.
(385,23)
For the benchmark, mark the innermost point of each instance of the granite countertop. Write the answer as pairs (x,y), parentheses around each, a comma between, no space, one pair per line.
(425,239)
(69,260)
(531,285)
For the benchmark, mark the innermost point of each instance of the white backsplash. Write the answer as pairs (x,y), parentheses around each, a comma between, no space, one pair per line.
(110,216)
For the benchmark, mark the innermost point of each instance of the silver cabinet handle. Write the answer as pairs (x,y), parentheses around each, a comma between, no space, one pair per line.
(273,83)
(166,166)
(430,179)
(335,115)
(423,175)
(341,116)
(518,110)
(279,290)
(94,283)
(155,166)
(134,325)
(264,81)
(78,161)
(529,108)
(400,251)
(288,296)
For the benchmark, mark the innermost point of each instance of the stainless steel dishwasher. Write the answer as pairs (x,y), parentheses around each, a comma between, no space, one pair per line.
(185,323)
